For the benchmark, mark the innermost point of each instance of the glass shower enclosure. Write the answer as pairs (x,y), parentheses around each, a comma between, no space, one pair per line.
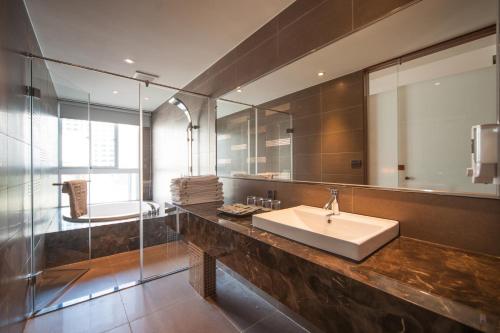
(126,139)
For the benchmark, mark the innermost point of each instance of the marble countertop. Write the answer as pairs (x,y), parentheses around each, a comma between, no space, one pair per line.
(456,284)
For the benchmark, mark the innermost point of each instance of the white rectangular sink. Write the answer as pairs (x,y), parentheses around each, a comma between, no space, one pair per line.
(349,235)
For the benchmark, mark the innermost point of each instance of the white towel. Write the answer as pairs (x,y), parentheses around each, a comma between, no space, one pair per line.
(196,189)
(198,196)
(196,180)
(195,201)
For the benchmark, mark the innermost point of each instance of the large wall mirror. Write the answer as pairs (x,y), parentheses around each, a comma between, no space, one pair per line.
(391,105)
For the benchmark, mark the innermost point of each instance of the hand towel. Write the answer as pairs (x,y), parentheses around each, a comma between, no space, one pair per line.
(77,191)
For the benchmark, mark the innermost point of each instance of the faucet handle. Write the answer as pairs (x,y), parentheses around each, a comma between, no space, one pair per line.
(333,191)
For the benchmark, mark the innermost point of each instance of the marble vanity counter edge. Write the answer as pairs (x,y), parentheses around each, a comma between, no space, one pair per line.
(463,313)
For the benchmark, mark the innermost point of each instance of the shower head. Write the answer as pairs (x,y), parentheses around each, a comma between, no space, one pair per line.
(181,106)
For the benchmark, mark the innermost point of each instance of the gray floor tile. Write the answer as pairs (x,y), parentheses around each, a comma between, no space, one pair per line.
(155,295)
(240,305)
(98,315)
(275,323)
(191,316)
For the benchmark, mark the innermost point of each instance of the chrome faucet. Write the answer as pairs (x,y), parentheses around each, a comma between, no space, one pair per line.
(153,210)
(333,203)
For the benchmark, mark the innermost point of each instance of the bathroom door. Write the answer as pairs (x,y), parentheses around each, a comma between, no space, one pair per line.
(60,249)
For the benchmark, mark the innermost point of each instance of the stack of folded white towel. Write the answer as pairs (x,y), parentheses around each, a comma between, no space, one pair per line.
(196,189)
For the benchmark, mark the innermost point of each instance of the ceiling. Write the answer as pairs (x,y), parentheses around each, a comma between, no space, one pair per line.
(176,40)
(423,24)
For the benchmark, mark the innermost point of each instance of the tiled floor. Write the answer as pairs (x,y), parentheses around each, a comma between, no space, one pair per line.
(108,272)
(171,305)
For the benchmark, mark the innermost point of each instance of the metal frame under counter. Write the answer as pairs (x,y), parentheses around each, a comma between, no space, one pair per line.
(408,285)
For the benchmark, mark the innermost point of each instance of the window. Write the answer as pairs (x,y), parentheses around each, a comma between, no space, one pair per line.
(103,144)
(75,148)
(114,159)
(128,146)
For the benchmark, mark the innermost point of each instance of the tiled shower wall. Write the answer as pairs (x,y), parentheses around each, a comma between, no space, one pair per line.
(15,160)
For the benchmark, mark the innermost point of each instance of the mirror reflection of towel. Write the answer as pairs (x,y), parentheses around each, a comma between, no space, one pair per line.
(77,191)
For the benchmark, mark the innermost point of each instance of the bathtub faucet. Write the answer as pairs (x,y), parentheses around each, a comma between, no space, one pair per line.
(154,210)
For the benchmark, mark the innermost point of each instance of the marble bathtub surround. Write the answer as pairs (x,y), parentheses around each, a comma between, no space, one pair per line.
(423,286)
(71,246)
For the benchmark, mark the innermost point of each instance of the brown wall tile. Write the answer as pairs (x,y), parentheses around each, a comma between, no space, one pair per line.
(342,93)
(331,133)
(294,194)
(307,167)
(306,125)
(310,144)
(343,120)
(296,10)
(257,62)
(325,23)
(342,178)
(269,30)
(302,27)
(341,163)
(468,223)
(367,11)
(343,142)
(307,105)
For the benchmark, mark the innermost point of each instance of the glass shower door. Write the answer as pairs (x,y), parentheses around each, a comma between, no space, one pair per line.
(60,249)
(175,146)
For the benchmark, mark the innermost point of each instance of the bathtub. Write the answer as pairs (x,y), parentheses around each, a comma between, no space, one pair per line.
(113,211)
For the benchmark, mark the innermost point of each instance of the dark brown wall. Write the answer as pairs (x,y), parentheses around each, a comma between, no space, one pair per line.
(16,149)
(328,123)
(16,34)
(328,130)
(468,223)
(301,28)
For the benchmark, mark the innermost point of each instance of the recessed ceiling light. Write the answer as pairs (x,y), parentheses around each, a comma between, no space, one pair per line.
(146,98)
(128,61)
(115,92)
(321,73)
(239,89)
(437,83)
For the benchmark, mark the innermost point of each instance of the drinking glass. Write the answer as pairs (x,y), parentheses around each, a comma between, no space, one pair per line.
(259,201)
(276,204)
(267,204)
(251,200)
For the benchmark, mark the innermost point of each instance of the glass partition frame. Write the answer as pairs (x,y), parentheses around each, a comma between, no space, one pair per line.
(204,163)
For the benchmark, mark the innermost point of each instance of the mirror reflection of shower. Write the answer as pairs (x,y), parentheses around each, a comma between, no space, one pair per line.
(181,106)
